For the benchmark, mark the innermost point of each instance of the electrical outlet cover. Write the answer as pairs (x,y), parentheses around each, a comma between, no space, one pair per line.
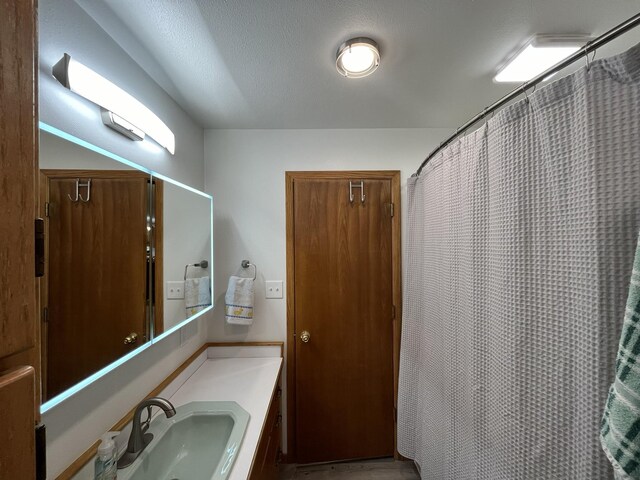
(273,288)
(175,290)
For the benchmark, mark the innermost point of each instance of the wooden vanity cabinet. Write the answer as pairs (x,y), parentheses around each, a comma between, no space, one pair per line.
(266,461)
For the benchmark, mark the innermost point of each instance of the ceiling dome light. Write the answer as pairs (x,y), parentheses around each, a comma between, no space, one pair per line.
(357,58)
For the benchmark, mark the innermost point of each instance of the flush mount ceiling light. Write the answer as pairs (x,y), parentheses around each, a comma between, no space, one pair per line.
(358,57)
(120,111)
(539,54)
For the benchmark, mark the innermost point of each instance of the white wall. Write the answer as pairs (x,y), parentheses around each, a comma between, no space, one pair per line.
(76,423)
(244,171)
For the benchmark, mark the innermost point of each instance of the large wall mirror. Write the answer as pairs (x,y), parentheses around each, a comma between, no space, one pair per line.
(128,260)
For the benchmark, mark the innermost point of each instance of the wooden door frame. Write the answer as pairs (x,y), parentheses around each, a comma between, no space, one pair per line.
(158,244)
(20,339)
(396,254)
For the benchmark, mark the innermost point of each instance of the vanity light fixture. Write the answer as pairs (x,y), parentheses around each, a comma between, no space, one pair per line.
(358,57)
(120,125)
(539,54)
(120,111)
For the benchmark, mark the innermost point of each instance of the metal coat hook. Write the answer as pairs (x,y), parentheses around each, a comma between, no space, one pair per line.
(77,188)
(86,185)
(79,197)
(360,186)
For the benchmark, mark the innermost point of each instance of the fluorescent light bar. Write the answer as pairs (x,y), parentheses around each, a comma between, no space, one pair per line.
(539,54)
(94,87)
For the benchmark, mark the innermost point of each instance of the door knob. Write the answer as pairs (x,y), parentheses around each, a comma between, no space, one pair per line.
(305,336)
(131,338)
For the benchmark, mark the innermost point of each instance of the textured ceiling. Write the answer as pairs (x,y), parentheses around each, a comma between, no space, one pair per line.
(271,63)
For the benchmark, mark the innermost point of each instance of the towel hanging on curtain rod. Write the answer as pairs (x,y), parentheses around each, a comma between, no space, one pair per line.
(591,46)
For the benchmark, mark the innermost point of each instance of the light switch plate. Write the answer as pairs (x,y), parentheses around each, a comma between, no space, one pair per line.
(175,290)
(273,288)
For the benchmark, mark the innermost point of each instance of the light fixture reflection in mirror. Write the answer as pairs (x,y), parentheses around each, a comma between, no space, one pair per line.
(120,361)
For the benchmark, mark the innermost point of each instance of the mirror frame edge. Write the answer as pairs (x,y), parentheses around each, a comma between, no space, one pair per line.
(53,402)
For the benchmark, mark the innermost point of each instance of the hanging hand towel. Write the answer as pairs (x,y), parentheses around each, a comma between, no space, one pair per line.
(197,295)
(239,301)
(620,429)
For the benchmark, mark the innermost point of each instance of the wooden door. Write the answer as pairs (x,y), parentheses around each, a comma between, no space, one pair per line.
(343,274)
(97,274)
(19,339)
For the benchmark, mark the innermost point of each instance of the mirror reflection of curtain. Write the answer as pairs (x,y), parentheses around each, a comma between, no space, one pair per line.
(520,246)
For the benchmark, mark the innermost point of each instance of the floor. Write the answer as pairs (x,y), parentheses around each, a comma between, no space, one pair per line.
(385,469)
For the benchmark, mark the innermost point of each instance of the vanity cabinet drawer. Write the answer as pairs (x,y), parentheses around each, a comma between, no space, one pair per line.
(267,457)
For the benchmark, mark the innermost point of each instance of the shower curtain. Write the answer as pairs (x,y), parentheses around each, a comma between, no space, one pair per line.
(520,246)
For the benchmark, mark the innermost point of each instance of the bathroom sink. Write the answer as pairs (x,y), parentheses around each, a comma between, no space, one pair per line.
(200,442)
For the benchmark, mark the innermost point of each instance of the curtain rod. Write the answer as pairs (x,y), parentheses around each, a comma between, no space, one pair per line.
(584,51)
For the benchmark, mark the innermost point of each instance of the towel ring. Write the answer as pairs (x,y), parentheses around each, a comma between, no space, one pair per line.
(201,264)
(247,264)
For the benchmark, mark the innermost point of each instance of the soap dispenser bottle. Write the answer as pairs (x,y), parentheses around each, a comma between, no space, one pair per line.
(106,467)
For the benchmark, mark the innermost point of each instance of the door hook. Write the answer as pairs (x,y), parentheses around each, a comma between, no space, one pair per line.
(360,186)
(77,189)
(79,197)
(86,185)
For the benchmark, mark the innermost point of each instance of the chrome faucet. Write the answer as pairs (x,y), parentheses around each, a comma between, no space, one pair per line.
(139,439)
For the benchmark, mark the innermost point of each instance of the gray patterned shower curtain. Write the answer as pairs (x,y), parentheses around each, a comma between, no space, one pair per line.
(520,246)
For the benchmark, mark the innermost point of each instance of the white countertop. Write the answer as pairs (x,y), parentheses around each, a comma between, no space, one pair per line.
(249,382)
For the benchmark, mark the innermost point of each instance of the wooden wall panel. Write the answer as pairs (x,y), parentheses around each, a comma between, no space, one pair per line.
(18,167)
(19,337)
(17,393)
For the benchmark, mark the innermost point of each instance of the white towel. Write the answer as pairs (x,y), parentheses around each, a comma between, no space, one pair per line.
(197,295)
(239,301)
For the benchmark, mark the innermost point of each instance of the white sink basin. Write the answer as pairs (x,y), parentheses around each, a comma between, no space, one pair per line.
(200,442)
